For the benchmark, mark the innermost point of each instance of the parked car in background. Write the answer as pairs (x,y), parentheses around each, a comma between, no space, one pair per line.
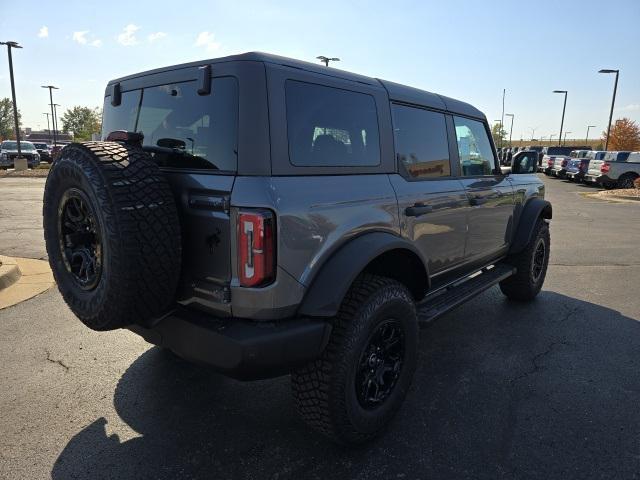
(9,152)
(550,154)
(538,149)
(616,169)
(577,167)
(44,149)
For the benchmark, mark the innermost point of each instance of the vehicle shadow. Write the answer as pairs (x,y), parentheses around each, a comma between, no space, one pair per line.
(503,390)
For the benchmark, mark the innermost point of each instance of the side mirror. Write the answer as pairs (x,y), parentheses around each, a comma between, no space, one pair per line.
(524,163)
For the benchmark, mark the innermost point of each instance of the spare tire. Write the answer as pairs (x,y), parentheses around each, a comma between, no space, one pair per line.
(112,233)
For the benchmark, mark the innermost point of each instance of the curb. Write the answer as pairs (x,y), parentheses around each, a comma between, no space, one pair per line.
(9,272)
(24,278)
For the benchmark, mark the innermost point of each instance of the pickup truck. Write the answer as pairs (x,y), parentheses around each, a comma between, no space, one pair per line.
(615,170)
(549,155)
(577,167)
(561,162)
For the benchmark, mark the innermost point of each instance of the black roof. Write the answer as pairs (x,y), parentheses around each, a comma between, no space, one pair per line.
(396,91)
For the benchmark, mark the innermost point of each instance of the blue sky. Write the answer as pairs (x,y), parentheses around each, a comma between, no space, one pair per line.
(469,50)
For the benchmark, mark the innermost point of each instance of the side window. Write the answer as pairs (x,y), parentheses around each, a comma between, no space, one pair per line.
(120,117)
(474,148)
(187,130)
(330,127)
(422,149)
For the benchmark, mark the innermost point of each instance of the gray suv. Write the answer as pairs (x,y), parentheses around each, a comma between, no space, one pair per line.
(267,216)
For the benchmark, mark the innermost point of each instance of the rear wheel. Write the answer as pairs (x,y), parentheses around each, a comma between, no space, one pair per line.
(626,181)
(531,265)
(354,389)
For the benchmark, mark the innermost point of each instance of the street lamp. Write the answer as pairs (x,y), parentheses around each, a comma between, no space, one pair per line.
(563,109)
(53,117)
(551,138)
(11,45)
(564,142)
(511,129)
(326,60)
(613,101)
(586,139)
(533,132)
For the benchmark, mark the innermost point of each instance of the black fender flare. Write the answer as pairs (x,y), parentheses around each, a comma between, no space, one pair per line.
(532,210)
(331,283)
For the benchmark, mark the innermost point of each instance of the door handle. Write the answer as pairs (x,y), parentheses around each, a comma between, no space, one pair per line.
(417,210)
(474,201)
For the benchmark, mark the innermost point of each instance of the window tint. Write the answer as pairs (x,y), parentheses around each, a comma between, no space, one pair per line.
(188,130)
(474,148)
(330,127)
(120,117)
(422,148)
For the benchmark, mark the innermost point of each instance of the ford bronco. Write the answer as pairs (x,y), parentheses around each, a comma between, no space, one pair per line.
(266,216)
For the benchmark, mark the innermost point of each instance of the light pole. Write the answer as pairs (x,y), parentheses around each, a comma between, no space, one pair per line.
(511,129)
(551,138)
(613,101)
(533,132)
(11,45)
(53,117)
(564,107)
(326,60)
(586,139)
(564,142)
(47,114)
(504,92)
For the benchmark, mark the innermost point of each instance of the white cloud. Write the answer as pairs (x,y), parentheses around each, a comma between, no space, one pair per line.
(633,107)
(152,37)
(43,32)
(128,37)
(96,43)
(80,37)
(207,40)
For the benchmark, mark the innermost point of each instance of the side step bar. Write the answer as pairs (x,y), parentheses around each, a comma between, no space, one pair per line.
(446,300)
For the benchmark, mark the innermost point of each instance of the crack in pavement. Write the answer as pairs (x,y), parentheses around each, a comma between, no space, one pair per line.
(534,361)
(59,362)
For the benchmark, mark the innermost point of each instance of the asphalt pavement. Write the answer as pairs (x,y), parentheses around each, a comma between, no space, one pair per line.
(543,390)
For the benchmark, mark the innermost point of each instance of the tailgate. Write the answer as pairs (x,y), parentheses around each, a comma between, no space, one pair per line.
(203,206)
(594,167)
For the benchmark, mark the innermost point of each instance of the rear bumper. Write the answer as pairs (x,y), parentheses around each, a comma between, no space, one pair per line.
(238,348)
(577,176)
(598,179)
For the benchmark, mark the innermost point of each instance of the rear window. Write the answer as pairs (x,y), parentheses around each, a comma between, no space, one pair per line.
(181,128)
(187,130)
(120,117)
(330,127)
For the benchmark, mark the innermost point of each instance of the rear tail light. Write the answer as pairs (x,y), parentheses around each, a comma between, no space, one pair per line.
(256,247)
(581,166)
(564,162)
(605,167)
(550,162)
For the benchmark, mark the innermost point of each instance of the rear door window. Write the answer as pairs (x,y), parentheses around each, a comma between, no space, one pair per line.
(331,127)
(422,148)
(474,147)
(187,130)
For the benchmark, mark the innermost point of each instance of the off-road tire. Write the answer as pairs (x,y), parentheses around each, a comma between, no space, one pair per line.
(626,180)
(324,390)
(137,226)
(524,285)
(609,185)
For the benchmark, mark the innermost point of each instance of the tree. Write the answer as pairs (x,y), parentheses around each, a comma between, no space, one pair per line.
(625,135)
(82,121)
(7,124)
(499,134)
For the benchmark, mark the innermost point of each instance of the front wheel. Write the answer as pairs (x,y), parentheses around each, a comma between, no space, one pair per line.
(354,389)
(531,265)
